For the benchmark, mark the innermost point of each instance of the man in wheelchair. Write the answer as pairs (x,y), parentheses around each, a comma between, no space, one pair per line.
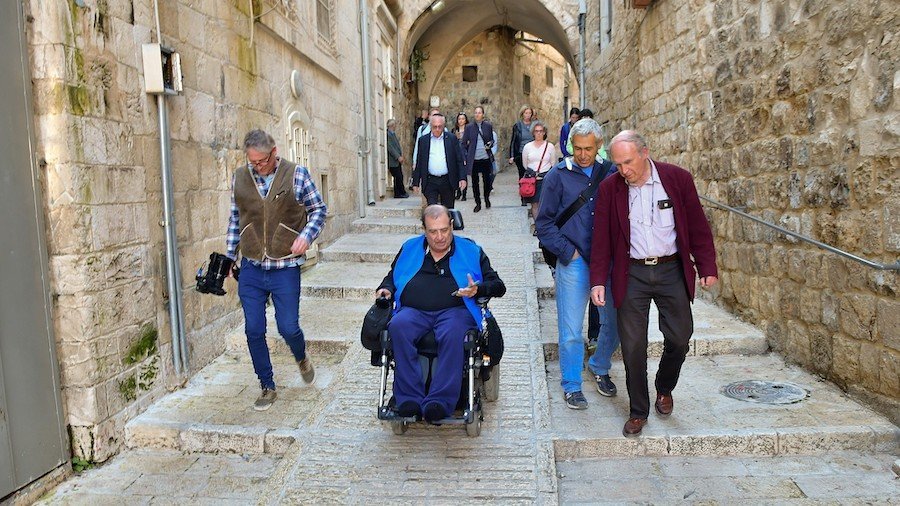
(434,282)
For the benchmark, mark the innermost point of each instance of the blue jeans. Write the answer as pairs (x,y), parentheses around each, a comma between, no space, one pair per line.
(254,287)
(608,340)
(572,298)
(407,327)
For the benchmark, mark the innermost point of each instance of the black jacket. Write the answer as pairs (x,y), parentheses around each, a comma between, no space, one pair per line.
(454,156)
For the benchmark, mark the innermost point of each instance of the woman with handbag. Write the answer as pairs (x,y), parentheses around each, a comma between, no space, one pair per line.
(521,135)
(537,157)
(458,130)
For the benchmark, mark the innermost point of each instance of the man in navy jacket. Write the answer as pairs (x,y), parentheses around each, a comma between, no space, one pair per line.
(439,165)
(478,139)
(571,243)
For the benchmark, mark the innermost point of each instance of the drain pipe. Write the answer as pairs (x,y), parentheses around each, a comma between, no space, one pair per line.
(582,14)
(173,268)
(367,101)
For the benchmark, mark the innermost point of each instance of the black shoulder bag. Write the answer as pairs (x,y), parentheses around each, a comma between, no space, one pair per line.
(550,257)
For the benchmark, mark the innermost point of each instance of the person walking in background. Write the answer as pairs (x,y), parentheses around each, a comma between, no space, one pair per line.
(423,118)
(574,115)
(650,231)
(459,129)
(538,156)
(395,160)
(479,146)
(423,131)
(272,236)
(521,135)
(439,167)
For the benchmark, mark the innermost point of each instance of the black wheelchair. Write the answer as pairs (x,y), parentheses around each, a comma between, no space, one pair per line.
(481,375)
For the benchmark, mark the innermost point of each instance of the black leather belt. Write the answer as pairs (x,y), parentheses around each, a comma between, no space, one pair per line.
(438,177)
(654,260)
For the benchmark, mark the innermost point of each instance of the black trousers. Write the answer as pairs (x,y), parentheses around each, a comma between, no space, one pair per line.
(438,190)
(483,169)
(519,165)
(664,284)
(397,174)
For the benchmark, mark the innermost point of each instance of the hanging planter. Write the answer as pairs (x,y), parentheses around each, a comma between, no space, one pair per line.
(416,68)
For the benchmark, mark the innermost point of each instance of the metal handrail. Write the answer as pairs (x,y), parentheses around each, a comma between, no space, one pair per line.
(875,265)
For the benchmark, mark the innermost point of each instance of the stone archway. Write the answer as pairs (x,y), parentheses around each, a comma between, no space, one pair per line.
(444,31)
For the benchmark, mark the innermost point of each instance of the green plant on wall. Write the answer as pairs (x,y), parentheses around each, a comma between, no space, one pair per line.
(416,67)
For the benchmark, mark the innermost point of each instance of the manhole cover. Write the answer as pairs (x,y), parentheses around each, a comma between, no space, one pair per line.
(765,392)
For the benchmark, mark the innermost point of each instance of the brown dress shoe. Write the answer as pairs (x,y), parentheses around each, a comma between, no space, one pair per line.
(664,404)
(634,426)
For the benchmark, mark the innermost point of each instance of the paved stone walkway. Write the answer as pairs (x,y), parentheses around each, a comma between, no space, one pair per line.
(323,443)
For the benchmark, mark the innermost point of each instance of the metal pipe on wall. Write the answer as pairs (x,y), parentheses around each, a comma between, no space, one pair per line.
(367,100)
(173,269)
(582,14)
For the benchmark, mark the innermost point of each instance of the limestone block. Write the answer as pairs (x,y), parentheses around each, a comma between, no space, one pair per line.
(870,369)
(279,441)
(793,441)
(201,117)
(887,323)
(890,373)
(846,359)
(85,405)
(219,438)
(830,311)
(810,305)
(146,432)
(737,442)
(858,316)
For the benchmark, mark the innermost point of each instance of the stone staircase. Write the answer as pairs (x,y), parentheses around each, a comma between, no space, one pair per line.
(331,448)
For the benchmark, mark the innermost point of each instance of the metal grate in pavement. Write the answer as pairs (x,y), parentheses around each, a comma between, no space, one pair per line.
(765,392)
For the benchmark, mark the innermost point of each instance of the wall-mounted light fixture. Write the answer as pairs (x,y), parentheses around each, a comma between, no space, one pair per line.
(435,7)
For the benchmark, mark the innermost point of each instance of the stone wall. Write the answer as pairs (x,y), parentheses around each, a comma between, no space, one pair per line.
(98,143)
(790,111)
(502,64)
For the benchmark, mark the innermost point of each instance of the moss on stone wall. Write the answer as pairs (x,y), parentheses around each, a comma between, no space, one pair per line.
(143,347)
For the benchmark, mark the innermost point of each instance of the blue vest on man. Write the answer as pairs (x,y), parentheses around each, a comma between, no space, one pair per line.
(466,259)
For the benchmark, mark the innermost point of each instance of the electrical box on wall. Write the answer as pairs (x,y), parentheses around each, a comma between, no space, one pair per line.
(162,70)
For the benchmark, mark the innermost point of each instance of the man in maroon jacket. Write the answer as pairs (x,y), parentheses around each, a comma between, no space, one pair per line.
(649,228)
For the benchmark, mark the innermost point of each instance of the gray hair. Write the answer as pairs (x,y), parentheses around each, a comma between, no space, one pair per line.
(259,140)
(434,211)
(391,122)
(628,136)
(587,126)
(538,123)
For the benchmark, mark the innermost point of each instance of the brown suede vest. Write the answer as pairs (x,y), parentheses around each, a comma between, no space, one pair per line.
(268,225)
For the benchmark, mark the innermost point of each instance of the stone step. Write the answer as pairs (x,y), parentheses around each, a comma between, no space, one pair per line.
(343,280)
(396,208)
(716,332)
(364,247)
(388,225)
(327,324)
(707,423)
(214,412)
(838,478)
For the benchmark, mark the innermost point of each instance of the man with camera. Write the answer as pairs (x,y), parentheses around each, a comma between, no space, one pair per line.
(478,140)
(276,213)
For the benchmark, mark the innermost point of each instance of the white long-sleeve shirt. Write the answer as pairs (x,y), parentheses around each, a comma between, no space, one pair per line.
(531,156)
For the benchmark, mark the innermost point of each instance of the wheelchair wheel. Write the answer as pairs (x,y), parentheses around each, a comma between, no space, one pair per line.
(474,429)
(399,427)
(492,385)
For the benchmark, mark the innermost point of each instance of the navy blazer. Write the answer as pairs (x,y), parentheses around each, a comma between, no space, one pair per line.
(455,168)
(470,140)
(612,231)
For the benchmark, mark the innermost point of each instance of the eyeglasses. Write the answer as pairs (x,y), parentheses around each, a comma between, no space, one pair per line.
(260,163)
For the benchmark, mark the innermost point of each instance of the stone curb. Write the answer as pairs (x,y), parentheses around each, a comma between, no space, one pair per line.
(401,226)
(785,441)
(207,438)
(699,347)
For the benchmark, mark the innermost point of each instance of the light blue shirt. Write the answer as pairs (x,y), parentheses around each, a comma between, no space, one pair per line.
(652,228)
(437,157)
(480,152)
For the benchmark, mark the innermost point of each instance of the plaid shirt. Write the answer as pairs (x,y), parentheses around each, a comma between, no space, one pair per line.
(304,191)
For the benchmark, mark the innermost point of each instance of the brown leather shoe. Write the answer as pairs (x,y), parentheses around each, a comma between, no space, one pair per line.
(664,404)
(634,426)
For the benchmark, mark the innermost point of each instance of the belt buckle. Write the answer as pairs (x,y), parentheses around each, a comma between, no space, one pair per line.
(651,261)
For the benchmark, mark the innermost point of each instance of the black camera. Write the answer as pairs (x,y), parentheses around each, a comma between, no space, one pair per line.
(214,278)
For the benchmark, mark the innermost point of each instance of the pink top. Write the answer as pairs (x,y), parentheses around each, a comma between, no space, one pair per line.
(531,156)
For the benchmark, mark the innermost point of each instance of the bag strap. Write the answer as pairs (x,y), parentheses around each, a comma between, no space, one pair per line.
(541,159)
(489,153)
(583,196)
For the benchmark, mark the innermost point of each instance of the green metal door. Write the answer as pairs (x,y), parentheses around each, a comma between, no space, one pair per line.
(32,438)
